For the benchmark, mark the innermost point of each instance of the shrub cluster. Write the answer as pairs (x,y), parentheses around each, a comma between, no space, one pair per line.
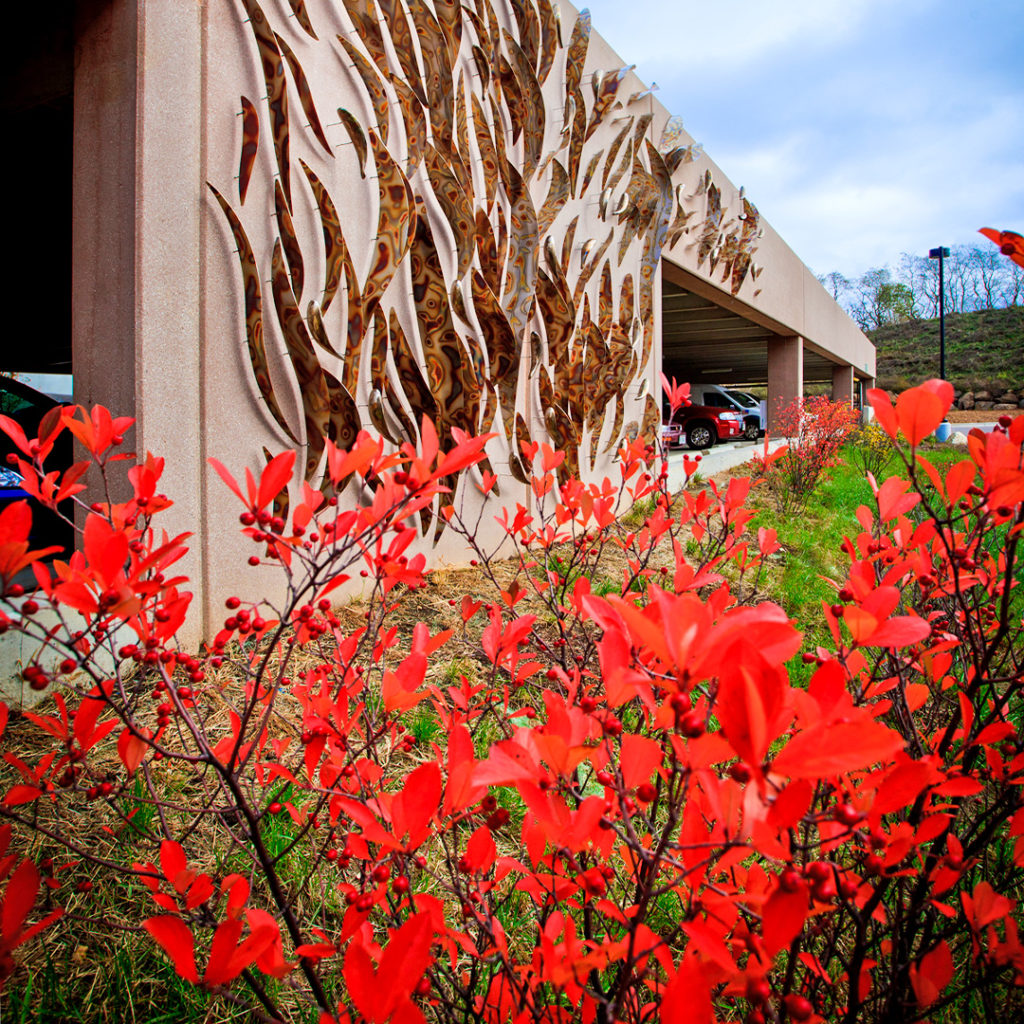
(627,812)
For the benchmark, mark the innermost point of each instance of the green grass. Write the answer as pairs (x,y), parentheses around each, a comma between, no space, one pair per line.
(984,349)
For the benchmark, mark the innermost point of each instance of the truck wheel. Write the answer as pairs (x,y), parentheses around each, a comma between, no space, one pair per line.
(700,435)
(751,430)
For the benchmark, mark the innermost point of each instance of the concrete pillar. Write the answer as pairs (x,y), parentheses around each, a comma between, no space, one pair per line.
(867,414)
(842,383)
(785,375)
(135,238)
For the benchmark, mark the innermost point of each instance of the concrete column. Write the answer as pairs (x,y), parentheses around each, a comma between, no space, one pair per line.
(136,233)
(842,383)
(785,375)
(867,414)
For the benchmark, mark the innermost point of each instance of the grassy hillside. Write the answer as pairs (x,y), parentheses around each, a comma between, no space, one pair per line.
(983,350)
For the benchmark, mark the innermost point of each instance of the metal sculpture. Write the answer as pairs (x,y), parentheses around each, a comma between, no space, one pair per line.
(479,302)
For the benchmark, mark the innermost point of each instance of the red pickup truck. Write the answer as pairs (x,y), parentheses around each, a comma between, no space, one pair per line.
(702,426)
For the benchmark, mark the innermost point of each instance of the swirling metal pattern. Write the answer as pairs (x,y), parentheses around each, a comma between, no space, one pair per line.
(520,306)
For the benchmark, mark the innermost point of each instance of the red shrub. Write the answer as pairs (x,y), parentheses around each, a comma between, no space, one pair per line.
(633,815)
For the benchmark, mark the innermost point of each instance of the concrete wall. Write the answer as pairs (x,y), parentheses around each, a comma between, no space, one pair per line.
(160,293)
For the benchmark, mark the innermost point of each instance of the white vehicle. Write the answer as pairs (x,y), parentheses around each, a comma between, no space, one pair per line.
(714,395)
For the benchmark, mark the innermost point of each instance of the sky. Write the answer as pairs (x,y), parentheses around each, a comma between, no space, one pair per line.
(861,129)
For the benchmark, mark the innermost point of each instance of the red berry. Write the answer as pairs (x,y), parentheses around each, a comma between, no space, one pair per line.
(758,990)
(381,873)
(645,792)
(276,807)
(790,880)
(400,884)
(692,724)
(799,1007)
(740,771)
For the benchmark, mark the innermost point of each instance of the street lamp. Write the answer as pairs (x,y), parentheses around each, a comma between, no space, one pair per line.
(940,254)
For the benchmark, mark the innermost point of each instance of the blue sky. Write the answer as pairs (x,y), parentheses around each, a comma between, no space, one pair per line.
(861,128)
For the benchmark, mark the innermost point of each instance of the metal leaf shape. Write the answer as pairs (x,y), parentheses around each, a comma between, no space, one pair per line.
(315,323)
(277,90)
(410,376)
(415,119)
(650,423)
(558,193)
(366,20)
(624,164)
(533,100)
(250,145)
(488,250)
(312,386)
(288,240)
(605,299)
(528,25)
(558,316)
(344,424)
(437,72)
(449,17)
(253,315)
(515,103)
(452,381)
(524,250)
(401,36)
(465,151)
(372,83)
(604,96)
(488,155)
(395,225)
(336,254)
(577,55)
(456,207)
(357,137)
(588,268)
(579,127)
(499,341)
(299,10)
(305,95)
(588,174)
(570,234)
(613,151)
(550,39)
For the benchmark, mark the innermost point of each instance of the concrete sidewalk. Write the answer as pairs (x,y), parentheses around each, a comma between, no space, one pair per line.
(715,460)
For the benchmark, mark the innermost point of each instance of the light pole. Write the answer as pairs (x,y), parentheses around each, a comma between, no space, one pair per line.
(940,254)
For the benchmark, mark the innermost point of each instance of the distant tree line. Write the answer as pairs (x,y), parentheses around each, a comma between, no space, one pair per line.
(975,278)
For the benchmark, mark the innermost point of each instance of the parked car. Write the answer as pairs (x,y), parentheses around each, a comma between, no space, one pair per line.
(671,435)
(718,397)
(27,407)
(703,426)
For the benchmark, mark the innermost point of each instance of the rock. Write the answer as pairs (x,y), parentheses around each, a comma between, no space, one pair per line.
(957,438)
(967,401)
(1020,404)
(983,405)
(983,396)
(1008,397)
(1003,406)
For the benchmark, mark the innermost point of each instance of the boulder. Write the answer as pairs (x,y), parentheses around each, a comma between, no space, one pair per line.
(1009,398)
(957,438)
(983,396)
(966,401)
(984,405)
(1004,406)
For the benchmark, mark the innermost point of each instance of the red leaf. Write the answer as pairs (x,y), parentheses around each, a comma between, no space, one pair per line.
(18,900)
(833,749)
(275,477)
(920,410)
(782,918)
(175,939)
(640,757)
(131,750)
(932,974)
(106,548)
